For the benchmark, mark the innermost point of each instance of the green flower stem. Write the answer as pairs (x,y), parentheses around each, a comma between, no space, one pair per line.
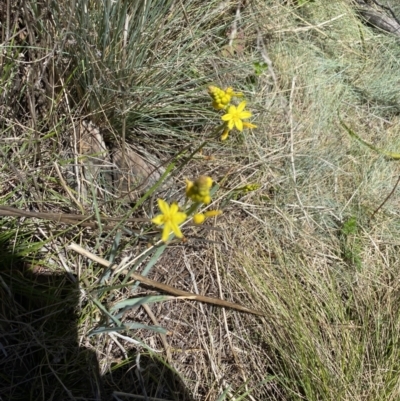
(214,135)
(193,208)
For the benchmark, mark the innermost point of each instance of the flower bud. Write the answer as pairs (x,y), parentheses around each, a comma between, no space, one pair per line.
(199,218)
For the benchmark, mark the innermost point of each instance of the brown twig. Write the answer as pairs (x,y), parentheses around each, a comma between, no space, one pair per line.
(166,288)
(66,188)
(67,218)
(386,199)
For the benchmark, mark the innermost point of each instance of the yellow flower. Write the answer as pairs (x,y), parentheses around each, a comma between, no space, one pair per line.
(199,190)
(225,133)
(200,218)
(235,116)
(170,217)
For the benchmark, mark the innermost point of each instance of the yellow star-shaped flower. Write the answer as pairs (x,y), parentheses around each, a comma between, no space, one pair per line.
(170,217)
(235,116)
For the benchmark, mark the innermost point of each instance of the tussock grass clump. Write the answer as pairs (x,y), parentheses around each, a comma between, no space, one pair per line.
(143,66)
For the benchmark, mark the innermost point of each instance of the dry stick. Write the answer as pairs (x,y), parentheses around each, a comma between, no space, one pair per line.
(234,31)
(68,218)
(73,219)
(386,199)
(66,188)
(310,26)
(166,288)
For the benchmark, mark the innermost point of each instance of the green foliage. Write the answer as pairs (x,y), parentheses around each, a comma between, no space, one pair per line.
(121,49)
(351,244)
(349,226)
(260,67)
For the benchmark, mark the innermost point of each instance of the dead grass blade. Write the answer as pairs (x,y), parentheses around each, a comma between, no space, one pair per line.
(166,288)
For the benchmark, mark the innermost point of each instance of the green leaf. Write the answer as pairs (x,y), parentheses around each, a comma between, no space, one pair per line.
(259,68)
(350,226)
(106,312)
(135,302)
(126,327)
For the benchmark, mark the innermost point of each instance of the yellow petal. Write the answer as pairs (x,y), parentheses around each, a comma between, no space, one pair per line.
(163,206)
(239,124)
(245,114)
(231,124)
(189,186)
(241,106)
(166,232)
(226,100)
(226,117)
(212,213)
(225,135)
(179,217)
(173,209)
(158,220)
(232,109)
(175,228)
(248,125)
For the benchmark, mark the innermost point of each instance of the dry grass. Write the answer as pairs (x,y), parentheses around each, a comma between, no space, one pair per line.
(303,247)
